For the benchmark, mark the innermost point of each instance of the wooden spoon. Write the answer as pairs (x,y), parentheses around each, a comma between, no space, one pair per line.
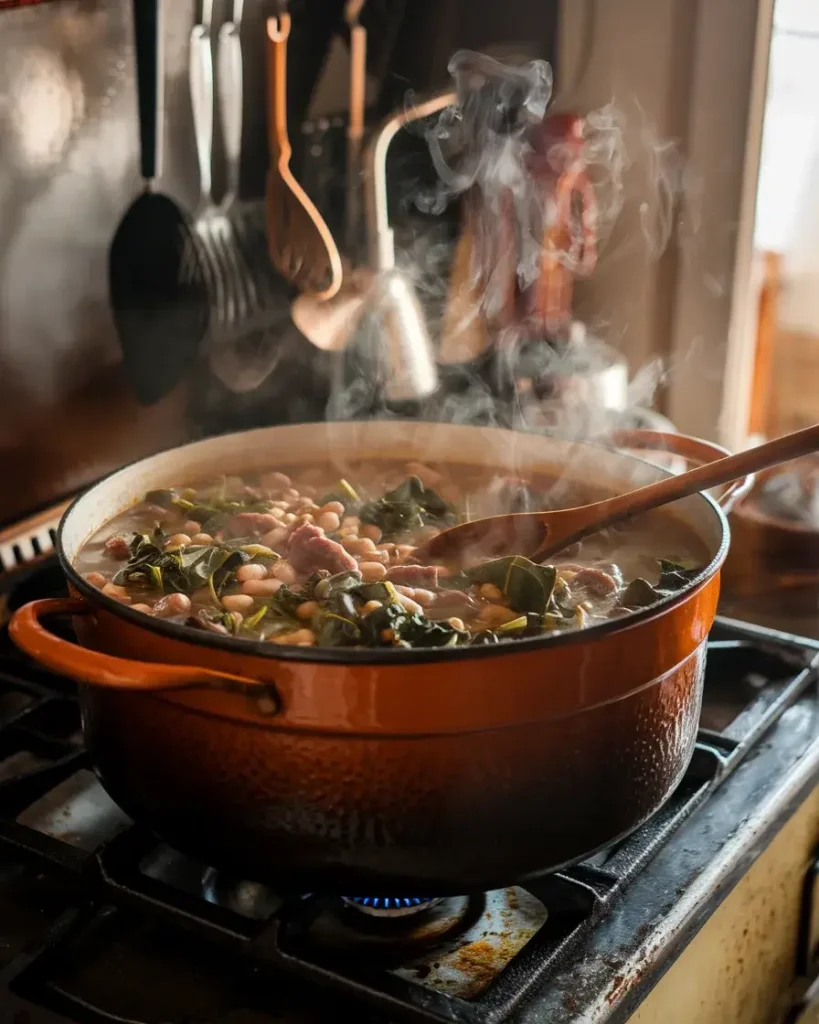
(539,534)
(301,246)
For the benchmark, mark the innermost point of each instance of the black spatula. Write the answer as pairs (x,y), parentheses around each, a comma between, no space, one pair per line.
(158,290)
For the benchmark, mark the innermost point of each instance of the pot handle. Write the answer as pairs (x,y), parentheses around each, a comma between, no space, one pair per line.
(89,666)
(693,449)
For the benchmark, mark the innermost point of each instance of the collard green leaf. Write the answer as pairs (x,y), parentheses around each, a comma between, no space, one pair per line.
(517,625)
(199,564)
(286,600)
(372,592)
(457,581)
(485,638)
(407,507)
(345,494)
(342,582)
(674,576)
(640,594)
(225,573)
(333,630)
(414,630)
(253,621)
(419,631)
(526,586)
(164,497)
(259,551)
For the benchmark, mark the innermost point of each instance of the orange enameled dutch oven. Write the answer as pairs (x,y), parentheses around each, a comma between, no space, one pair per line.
(406,771)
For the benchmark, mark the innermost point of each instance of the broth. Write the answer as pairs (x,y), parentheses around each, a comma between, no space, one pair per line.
(320,560)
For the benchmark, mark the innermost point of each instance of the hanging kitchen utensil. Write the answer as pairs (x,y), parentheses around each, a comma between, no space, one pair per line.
(245,302)
(301,245)
(399,323)
(159,296)
(464,333)
(355,127)
(540,534)
(230,80)
(329,324)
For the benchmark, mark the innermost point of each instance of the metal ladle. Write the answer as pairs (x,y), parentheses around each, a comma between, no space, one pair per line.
(386,295)
(412,372)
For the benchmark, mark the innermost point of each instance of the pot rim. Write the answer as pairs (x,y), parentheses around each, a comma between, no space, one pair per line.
(366,656)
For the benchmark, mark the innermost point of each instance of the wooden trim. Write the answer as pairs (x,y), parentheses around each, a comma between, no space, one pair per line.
(714,319)
(763,395)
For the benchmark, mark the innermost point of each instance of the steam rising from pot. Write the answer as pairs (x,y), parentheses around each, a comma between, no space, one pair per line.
(501,150)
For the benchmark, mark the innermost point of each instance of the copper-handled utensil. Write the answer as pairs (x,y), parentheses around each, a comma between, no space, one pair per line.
(399,322)
(540,534)
(355,127)
(329,325)
(464,332)
(301,245)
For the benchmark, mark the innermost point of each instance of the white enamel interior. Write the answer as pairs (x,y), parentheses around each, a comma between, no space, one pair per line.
(303,444)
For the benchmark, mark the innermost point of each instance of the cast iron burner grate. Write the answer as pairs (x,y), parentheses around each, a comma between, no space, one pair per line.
(118,878)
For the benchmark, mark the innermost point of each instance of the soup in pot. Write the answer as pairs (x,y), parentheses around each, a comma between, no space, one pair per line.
(319,560)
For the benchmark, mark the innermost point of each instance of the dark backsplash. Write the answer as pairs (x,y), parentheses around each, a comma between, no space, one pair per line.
(69,169)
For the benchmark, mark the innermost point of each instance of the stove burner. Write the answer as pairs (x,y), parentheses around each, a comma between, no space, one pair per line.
(390,906)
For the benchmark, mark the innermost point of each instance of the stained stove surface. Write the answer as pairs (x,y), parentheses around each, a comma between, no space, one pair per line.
(99,922)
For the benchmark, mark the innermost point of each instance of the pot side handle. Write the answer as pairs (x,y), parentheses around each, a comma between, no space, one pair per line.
(84,665)
(693,449)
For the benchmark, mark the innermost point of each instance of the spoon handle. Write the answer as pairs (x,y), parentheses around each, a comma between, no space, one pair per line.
(783,449)
(150,86)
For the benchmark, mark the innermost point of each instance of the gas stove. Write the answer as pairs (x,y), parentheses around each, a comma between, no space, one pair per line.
(101,923)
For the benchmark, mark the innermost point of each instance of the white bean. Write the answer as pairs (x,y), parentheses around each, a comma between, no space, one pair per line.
(237,602)
(358,545)
(96,579)
(329,522)
(307,610)
(372,571)
(118,593)
(173,604)
(409,605)
(496,614)
(333,506)
(275,538)
(284,571)
(371,531)
(179,540)
(301,637)
(254,571)
(261,588)
(202,538)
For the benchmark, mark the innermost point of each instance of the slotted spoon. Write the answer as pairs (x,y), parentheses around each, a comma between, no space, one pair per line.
(536,535)
(301,246)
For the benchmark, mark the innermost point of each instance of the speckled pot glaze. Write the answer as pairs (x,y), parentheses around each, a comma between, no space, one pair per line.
(401,771)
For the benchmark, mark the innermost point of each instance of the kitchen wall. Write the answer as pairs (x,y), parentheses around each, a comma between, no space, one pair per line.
(694,72)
